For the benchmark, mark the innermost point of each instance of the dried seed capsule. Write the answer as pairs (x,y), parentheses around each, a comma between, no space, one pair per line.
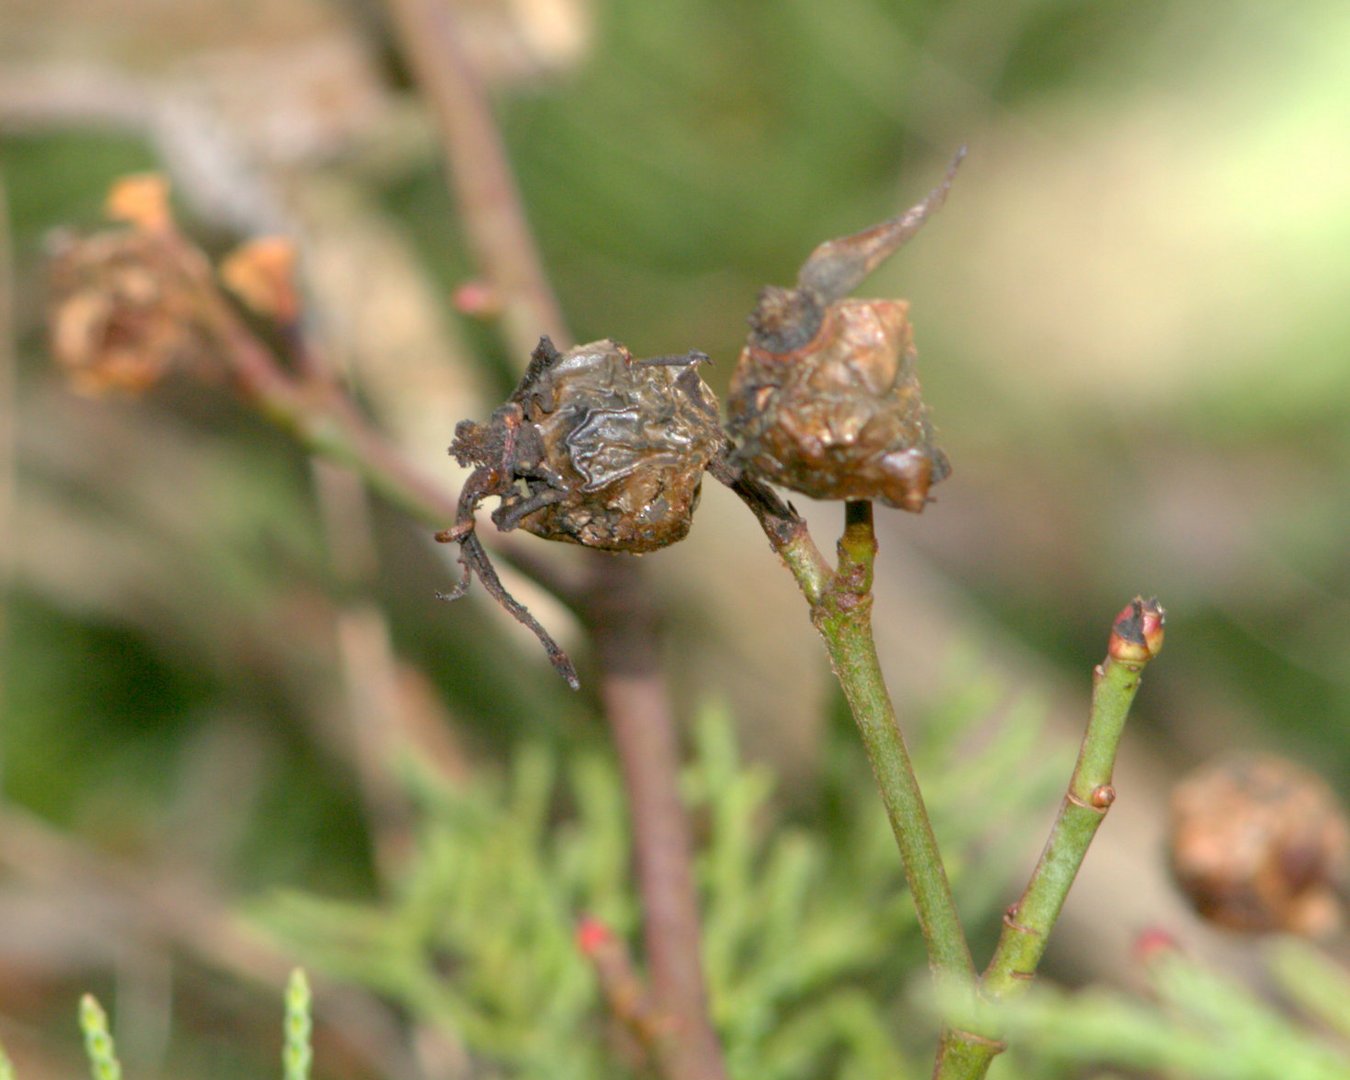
(1258,843)
(121,316)
(593,448)
(597,448)
(824,399)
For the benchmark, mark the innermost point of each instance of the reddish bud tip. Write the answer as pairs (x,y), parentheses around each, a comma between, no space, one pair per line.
(592,935)
(477,299)
(1154,943)
(1137,635)
(1103,797)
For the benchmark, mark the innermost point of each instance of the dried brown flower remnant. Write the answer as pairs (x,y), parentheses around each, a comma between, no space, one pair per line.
(595,448)
(1259,844)
(824,399)
(121,315)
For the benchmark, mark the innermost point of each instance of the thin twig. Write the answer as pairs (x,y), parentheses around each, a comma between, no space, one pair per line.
(479,172)
(841,610)
(622,623)
(1027,924)
(623,989)
(1135,640)
(843,616)
(844,619)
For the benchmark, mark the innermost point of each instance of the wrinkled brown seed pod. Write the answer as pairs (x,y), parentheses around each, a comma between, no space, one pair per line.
(595,448)
(824,399)
(1258,843)
(121,316)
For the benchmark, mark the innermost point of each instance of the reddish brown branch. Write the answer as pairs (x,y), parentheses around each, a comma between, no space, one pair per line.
(479,171)
(622,622)
(624,992)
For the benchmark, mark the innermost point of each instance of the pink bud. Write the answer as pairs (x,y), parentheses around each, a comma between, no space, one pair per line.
(1137,635)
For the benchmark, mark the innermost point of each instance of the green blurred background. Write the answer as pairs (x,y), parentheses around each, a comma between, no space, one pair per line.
(1131,319)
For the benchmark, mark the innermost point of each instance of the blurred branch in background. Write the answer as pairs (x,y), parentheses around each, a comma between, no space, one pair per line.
(8,403)
(109,901)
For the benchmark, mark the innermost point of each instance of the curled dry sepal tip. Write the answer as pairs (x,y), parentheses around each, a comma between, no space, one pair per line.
(594,447)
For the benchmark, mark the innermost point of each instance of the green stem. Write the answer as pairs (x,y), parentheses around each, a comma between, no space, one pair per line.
(843,616)
(1135,639)
(1027,924)
(841,610)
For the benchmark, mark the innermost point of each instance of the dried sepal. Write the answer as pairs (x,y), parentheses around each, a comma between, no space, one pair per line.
(261,273)
(825,399)
(595,448)
(142,200)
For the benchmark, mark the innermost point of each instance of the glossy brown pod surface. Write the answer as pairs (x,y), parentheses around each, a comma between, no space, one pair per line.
(599,449)
(593,448)
(825,399)
(841,417)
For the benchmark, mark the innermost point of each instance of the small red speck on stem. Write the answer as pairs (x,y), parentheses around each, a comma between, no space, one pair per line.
(592,935)
(477,299)
(1153,943)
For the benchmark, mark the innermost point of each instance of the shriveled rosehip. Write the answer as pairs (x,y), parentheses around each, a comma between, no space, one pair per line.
(595,448)
(825,399)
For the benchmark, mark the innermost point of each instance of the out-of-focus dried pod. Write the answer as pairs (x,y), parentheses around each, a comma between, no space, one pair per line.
(262,274)
(595,448)
(1258,843)
(121,314)
(825,399)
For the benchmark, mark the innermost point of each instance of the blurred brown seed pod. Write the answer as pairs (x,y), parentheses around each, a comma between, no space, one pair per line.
(825,399)
(121,316)
(1258,843)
